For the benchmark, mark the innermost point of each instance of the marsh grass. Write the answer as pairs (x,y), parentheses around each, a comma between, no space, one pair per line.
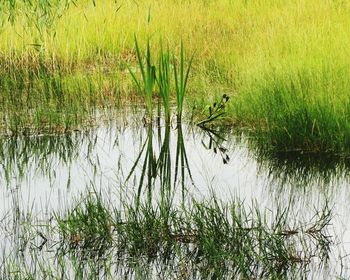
(289,90)
(37,98)
(89,226)
(296,115)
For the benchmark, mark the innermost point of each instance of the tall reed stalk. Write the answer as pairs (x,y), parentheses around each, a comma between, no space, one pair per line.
(181,78)
(162,77)
(164,80)
(148,75)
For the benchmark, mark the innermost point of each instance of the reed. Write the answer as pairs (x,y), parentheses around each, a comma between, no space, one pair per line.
(148,75)
(164,80)
(181,75)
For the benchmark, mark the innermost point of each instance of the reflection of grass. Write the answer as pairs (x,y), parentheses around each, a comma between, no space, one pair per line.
(303,169)
(149,164)
(215,239)
(41,154)
(88,225)
(181,162)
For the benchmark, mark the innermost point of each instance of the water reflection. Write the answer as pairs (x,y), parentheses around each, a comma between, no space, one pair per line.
(161,153)
(216,142)
(18,154)
(166,164)
(301,169)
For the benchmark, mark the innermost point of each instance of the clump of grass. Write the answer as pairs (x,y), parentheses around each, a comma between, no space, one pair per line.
(163,80)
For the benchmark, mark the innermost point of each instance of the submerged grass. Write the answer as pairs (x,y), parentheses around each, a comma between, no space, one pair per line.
(88,226)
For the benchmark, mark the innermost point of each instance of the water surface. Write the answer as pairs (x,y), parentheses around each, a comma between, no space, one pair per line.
(43,174)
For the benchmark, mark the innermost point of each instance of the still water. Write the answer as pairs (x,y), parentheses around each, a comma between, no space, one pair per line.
(45,174)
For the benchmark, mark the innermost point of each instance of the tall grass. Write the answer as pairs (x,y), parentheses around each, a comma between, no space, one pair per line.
(243,48)
(163,79)
(301,112)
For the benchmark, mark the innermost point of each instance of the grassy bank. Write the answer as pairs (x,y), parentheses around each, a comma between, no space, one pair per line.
(284,63)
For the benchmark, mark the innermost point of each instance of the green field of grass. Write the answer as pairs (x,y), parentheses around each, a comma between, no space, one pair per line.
(284,64)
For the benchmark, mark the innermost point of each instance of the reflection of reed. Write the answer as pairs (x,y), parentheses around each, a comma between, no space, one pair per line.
(181,159)
(149,164)
(158,168)
(164,168)
(216,141)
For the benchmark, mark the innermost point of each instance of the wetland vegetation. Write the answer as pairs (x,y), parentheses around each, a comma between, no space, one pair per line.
(174,139)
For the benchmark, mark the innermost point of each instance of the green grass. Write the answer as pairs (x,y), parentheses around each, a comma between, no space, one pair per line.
(88,226)
(162,77)
(287,79)
(303,111)
(37,98)
(100,236)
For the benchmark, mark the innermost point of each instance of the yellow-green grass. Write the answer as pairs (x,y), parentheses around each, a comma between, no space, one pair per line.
(285,63)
